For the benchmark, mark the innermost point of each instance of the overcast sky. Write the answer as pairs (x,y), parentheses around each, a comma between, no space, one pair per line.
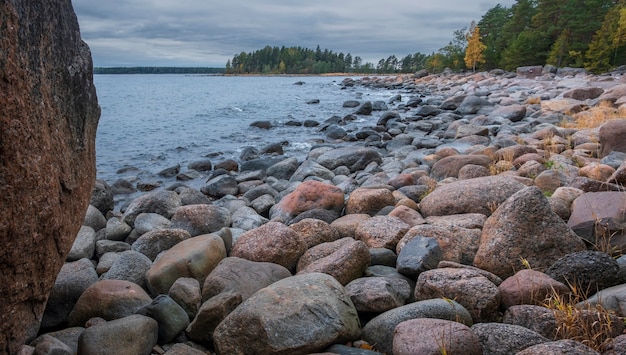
(208,32)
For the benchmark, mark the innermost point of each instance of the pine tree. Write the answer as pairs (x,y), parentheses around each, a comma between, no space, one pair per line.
(474,53)
(609,42)
(492,26)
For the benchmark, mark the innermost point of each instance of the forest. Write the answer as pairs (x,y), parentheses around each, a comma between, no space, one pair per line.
(588,34)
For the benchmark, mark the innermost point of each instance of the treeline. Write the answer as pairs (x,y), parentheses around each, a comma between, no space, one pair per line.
(295,60)
(158,70)
(588,34)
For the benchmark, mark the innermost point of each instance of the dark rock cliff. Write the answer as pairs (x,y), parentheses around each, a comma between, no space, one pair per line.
(48,119)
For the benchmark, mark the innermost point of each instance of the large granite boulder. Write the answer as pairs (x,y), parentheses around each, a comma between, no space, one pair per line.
(354,158)
(524,227)
(470,288)
(135,334)
(451,165)
(272,242)
(72,281)
(307,196)
(435,336)
(380,330)
(195,257)
(162,202)
(479,195)
(241,276)
(345,259)
(370,201)
(108,299)
(599,217)
(233,281)
(48,127)
(612,137)
(201,219)
(502,339)
(297,315)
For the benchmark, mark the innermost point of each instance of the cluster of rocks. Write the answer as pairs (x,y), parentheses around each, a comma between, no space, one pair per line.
(441,228)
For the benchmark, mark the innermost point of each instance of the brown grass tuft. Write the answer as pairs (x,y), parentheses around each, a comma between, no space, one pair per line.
(593,326)
(533,100)
(595,117)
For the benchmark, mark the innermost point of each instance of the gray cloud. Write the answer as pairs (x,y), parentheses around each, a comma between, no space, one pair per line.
(207,33)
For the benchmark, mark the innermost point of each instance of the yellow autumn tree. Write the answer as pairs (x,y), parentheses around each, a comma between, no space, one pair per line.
(474,53)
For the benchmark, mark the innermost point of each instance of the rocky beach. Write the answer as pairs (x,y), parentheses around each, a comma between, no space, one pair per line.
(482,213)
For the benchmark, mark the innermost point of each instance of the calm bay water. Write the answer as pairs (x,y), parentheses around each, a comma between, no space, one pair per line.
(152,122)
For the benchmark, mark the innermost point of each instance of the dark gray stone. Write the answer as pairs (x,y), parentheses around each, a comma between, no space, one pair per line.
(418,255)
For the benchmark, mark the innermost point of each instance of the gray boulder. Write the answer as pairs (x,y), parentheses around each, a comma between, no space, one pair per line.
(344,259)
(94,218)
(470,288)
(472,104)
(186,292)
(296,315)
(418,255)
(73,279)
(480,195)
(154,242)
(171,317)
(146,222)
(504,339)
(201,219)
(135,334)
(108,299)
(130,266)
(378,294)
(241,276)
(565,346)
(117,229)
(587,270)
(434,336)
(84,245)
(355,158)
(47,344)
(162,202)
(195,257)
(380,330)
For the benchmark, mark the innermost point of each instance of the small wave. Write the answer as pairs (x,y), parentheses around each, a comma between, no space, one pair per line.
(300,145)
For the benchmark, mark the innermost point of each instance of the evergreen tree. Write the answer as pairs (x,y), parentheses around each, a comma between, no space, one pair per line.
(608,47)
(520,22)
(492,26)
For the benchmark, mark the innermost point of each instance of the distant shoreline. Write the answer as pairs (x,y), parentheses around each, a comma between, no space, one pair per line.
(212,71)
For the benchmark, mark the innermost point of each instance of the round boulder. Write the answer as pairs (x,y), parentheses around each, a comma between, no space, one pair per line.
(272,242)
(296,315)
(135,334)
(200,219)
(344,259)
(434,336)
(108,299)
(194,257)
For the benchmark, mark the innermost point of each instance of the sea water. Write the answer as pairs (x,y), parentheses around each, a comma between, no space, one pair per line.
(152,122)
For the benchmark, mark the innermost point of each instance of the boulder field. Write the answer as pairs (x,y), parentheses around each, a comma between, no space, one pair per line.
(451,224)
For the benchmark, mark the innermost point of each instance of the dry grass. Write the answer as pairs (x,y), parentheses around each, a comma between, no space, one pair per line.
(501,161)
(595,116)
(592,326)
(533,100)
